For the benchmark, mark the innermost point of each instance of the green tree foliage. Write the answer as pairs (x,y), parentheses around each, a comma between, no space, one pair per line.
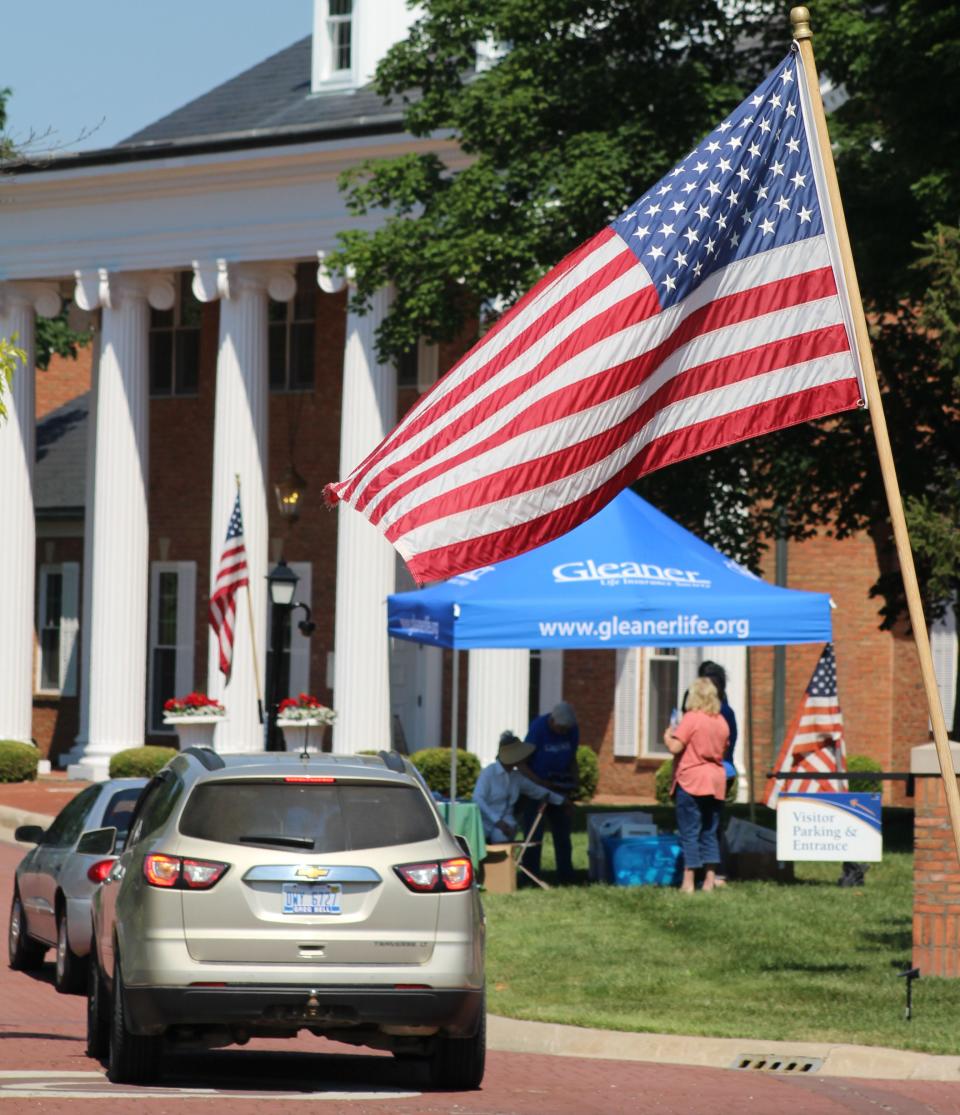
(586,103)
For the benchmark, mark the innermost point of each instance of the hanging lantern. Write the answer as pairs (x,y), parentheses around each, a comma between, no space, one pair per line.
(290,488)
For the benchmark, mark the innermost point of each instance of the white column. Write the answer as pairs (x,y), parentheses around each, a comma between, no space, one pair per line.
(118,519)
(18,304)
(240,449)
(498,697)
(366,572)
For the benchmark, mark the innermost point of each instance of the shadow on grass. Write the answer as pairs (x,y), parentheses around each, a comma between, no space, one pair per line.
(813,969)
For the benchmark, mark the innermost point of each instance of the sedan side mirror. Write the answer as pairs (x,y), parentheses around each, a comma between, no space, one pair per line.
(29,834)
(97,842)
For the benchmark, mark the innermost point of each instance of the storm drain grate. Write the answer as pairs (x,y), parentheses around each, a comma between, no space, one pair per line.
(777,1062)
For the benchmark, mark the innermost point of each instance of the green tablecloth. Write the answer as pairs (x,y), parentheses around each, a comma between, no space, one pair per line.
(466,822)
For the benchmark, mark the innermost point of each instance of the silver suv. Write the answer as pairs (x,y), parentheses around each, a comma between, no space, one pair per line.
(262,894)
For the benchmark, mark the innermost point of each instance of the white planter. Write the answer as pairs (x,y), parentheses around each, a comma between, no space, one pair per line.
(194,731)
(300,735)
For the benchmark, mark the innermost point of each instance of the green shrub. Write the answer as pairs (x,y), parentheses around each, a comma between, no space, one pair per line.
(434,764)
(589,773)
(662,782)
(18,761)
(863,785)
(140,762)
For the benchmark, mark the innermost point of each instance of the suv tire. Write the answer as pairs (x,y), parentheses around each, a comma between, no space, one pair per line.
(133,1058)
(26,955)
(68,972)
(98,1020)
(457,1064)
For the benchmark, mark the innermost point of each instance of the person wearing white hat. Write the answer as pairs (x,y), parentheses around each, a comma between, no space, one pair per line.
(499,786)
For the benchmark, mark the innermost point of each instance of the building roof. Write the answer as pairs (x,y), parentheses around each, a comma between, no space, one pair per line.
(272,96)
(59,479)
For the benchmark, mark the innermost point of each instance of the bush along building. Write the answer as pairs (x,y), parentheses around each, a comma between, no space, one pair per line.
(223,348)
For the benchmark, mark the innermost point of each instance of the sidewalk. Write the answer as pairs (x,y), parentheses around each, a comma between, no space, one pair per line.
(26,803)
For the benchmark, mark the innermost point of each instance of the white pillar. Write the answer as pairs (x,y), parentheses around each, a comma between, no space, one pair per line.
(18,304)
(240,449)
(498,697)
(366,573)
(119,517)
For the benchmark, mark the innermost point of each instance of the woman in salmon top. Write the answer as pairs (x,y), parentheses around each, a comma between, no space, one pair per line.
(699,784)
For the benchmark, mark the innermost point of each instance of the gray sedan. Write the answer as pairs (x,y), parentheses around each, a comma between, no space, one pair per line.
(55,880)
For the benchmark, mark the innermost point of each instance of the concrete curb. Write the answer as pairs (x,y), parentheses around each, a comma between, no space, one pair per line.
(11,818)
(872,1062)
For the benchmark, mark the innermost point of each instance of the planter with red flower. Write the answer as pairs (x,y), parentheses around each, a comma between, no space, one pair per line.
(195,717)
(304,722)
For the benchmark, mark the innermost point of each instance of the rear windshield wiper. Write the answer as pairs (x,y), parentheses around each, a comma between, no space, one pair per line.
(286,841)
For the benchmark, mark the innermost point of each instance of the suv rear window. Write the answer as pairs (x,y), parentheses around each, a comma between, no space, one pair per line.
(314,817)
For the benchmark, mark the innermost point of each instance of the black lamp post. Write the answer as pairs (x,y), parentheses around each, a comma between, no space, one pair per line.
(282,583)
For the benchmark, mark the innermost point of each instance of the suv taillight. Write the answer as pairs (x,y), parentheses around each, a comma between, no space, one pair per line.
(187,874)
(448,874)
(98,871)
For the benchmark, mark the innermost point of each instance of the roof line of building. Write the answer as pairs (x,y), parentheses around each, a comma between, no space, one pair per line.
(207,145)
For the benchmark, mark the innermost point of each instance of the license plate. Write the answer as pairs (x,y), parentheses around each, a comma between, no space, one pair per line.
(307,898)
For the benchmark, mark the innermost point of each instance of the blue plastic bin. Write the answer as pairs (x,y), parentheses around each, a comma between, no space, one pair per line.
(644,861)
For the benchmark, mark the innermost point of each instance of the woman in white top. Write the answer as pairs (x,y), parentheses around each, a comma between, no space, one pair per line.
(499,786)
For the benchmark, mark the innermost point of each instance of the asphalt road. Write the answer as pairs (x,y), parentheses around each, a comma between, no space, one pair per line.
(43,1068)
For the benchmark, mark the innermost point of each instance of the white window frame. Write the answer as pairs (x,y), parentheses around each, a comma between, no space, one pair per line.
(944,649)
(325,76)
(186,572)
(688,659)
(69,572)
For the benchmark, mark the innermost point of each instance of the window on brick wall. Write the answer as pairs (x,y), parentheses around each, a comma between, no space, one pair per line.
(292,335)
(57,627)
(175,343)
(173,595)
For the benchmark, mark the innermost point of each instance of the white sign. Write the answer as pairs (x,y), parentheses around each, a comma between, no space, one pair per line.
(827,826)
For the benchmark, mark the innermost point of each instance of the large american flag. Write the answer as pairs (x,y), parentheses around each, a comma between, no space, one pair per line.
(231,576)
(814,743)
(710,311)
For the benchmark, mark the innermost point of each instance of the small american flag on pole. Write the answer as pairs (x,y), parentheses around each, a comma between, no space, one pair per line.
(231,576)
(711,311)
(814,743)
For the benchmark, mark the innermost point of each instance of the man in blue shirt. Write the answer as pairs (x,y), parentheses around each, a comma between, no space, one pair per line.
(553,764)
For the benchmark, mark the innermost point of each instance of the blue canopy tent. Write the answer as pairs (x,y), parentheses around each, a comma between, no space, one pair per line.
(628,577)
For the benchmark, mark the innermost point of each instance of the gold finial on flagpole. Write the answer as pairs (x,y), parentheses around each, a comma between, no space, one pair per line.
(800,21)
(236,477)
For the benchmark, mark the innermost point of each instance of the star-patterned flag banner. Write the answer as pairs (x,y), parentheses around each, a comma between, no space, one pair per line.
(711,311)
(231,576)
(814,743)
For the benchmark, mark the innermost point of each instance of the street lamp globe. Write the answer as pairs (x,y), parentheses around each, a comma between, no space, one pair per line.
(282,582)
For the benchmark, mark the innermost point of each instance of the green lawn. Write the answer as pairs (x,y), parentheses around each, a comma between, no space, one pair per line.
(810,961)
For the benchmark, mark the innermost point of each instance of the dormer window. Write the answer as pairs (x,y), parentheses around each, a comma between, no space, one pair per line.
(339,35)
(335,47)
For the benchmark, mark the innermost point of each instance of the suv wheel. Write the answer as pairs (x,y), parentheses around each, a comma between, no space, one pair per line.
(457,1064)
(134,1058)
(68,973)
(26,955)
(98,1020)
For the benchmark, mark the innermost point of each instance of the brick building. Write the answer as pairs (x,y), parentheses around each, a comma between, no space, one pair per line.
(194,251)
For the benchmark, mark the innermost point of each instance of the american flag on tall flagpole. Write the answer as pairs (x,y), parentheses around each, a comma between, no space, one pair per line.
(231,576)
(710,311)
(814,743)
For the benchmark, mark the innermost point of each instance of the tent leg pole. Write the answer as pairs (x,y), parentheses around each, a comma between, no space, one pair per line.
(454,726)
(751,796)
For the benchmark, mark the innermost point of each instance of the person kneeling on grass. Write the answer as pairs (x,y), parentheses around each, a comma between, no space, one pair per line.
(499,786)
(699,786)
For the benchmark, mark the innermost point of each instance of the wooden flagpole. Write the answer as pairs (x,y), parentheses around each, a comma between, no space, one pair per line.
(253,637)
(800,20)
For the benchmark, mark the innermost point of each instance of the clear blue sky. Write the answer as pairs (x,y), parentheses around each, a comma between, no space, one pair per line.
(121,64)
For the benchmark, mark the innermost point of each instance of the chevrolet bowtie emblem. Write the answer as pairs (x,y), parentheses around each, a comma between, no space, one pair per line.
(307,872)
